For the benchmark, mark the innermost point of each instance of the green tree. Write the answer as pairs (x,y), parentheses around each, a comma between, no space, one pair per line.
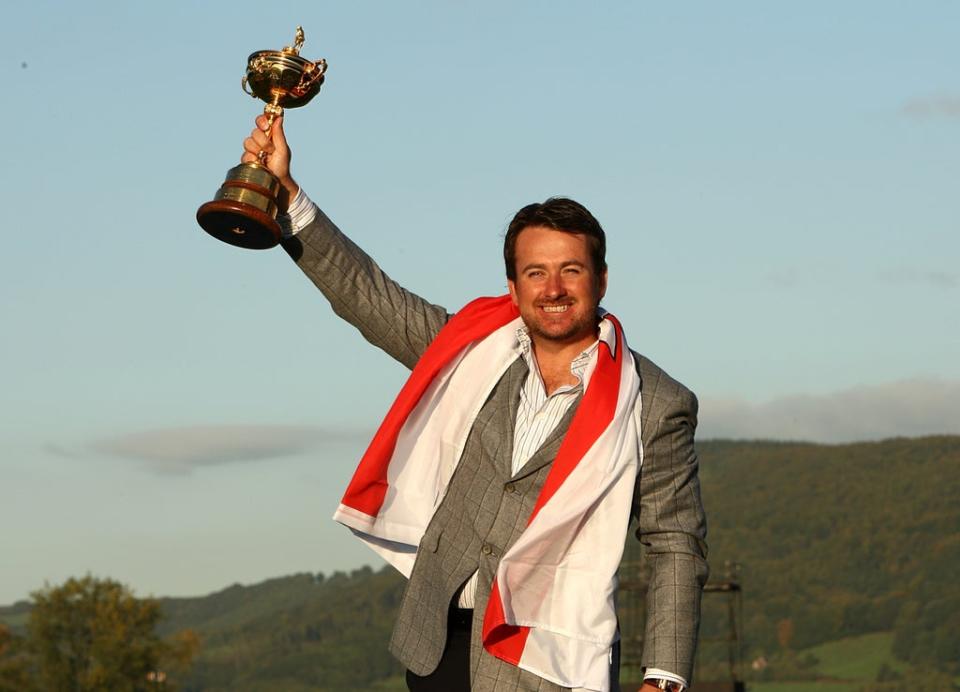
(93,634)
(13,663)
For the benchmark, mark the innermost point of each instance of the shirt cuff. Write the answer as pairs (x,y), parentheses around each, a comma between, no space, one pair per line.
(663,675)
(300,214)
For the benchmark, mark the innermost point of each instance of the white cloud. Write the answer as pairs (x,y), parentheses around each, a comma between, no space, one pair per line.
(915,275)
(181,450)
(905,408)
(784,277)
(942,105)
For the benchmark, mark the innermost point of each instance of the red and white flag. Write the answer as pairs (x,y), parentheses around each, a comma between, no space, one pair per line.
(551,608)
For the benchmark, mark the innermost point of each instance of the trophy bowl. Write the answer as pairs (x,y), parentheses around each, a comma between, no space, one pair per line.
(288,80)
(244,210)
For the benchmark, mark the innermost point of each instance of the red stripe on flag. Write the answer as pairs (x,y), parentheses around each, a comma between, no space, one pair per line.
(477,319)
(595,413)
(593,416)
(504,641)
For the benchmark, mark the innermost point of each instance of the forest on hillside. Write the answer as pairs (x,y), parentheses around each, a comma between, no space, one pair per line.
(828,542)
(841,540)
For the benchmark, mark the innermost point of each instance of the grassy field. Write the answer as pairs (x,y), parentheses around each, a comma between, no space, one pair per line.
(857,658)
(809,686)
(395,684)
(844,665)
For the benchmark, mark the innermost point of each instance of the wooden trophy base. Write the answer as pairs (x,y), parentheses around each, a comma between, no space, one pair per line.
(244,210)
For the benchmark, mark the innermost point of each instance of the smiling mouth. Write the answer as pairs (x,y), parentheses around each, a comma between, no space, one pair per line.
(555,308)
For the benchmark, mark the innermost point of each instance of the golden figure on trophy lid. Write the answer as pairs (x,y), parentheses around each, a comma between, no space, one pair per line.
(244,210)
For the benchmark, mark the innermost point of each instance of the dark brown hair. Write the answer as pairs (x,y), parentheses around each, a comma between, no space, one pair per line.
(560,214)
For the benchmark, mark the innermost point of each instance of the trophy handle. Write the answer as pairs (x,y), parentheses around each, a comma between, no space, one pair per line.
(313,74)
(246,87)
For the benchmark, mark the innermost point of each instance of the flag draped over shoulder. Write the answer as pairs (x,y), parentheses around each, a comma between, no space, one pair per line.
(551,608)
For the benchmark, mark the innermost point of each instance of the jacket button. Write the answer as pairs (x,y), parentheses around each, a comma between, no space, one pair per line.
(510,488)
(486,549)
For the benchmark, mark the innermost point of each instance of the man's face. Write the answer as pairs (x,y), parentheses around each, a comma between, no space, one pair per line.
(557,288)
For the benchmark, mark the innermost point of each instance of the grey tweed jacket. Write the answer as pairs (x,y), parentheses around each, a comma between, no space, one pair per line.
(486,506)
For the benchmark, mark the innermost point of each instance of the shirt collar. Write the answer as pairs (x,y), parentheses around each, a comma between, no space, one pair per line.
(583,365)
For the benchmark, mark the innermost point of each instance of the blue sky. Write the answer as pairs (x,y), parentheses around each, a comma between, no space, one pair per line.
(778,184)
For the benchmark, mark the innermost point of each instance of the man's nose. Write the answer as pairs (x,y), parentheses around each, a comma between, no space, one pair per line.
(554,287)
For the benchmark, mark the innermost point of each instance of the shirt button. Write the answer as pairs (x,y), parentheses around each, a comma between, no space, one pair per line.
(486,549)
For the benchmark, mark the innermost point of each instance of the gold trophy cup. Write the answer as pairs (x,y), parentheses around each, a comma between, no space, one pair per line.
(244,210)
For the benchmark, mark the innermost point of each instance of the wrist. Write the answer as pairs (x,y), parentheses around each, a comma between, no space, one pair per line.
(288,191)
(663,684)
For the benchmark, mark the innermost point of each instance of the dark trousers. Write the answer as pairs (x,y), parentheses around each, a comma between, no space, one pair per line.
(453,673)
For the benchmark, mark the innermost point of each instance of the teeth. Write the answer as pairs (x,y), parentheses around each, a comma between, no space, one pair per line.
(555,308)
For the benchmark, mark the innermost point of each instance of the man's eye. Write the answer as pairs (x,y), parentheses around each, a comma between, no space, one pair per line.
(535,274)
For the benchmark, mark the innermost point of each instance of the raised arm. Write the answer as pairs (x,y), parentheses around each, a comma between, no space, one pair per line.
(390,317)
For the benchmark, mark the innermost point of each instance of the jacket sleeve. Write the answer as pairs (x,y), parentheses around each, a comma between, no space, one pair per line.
(390,317)
(672,527)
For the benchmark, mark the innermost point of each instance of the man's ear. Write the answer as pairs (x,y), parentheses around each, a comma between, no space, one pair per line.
(511,284)
(603,284)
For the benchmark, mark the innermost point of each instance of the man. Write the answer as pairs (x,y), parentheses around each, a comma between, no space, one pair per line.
(502,479)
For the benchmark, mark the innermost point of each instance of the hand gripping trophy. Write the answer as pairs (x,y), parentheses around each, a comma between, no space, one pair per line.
(244,210)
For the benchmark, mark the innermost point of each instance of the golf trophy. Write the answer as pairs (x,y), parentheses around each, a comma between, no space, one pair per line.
(244,210)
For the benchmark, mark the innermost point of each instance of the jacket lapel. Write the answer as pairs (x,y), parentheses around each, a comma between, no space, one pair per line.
(511,383)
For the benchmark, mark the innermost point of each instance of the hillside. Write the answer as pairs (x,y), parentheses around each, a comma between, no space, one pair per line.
(841,540)
(834,541)
(302,632)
